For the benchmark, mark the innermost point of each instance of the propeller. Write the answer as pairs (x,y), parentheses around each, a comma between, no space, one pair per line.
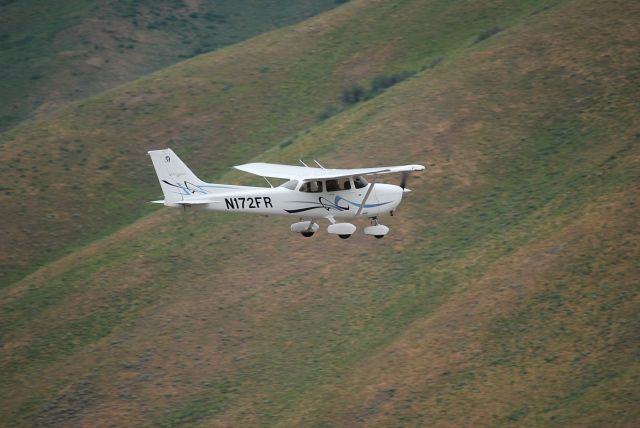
(404,179)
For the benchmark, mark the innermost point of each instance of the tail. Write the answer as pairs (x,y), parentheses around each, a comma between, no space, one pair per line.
(176,179)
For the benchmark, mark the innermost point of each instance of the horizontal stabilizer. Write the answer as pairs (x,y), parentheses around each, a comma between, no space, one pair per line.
(197,201)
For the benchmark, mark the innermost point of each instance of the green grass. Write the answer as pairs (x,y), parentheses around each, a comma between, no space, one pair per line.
(505,294)
(54,54)
(94,149)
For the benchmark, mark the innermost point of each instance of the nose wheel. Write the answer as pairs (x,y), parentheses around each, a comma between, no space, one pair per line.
(376,229)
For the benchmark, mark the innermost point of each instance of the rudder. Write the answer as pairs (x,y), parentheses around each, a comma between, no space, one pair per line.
(176,179)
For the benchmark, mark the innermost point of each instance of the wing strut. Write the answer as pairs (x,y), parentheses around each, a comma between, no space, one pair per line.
(366,196)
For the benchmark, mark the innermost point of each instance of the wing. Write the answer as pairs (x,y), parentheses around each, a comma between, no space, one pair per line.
(287,172)
(302,173)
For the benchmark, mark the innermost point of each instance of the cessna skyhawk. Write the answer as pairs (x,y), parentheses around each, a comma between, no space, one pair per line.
(309,194)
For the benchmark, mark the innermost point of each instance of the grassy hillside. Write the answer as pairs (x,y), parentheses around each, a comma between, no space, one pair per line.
(52,53)
(506,293)
(84,167)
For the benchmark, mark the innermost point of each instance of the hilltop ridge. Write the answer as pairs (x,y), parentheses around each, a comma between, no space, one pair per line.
(56,53)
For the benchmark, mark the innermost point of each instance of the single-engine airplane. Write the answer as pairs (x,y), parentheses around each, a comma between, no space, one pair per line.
(310,193)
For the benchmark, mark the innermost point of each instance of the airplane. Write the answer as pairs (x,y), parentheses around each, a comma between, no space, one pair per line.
(309,194)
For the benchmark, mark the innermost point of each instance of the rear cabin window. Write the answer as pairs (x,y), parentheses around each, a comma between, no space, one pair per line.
(311,187)
(339,184)
(291,184)
(359,182)
(332,185)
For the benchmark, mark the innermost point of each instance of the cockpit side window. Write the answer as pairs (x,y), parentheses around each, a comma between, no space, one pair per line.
(359,182)
(291,184)
(333,186)
(336,185)
(311,187)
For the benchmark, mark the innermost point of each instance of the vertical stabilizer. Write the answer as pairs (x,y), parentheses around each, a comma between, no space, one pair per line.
(176,179)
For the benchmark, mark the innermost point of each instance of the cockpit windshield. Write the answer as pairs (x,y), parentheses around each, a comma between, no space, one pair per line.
(338,184)
(359,182)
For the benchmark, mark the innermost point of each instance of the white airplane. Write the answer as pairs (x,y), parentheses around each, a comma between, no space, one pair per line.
(310,193)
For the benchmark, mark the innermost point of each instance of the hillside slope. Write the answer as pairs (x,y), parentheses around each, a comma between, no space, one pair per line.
(82,171)
(52,53)
(507,291)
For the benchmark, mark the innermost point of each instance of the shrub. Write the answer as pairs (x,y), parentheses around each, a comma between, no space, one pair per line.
(488,33)
(352,95)
(210,16)
(327,113)
(357,93)
(380,83)
(433,64)
(286,142)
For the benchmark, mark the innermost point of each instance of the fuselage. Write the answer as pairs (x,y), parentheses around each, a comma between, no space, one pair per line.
(304,202)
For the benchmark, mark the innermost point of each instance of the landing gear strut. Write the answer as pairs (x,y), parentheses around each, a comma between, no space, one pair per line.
(376,229)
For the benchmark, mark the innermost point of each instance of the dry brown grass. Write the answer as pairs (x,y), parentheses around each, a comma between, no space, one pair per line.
(421,366)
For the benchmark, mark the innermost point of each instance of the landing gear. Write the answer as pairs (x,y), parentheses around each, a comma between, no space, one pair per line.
(305,228)
(377,230)
(308,228)
(343,230)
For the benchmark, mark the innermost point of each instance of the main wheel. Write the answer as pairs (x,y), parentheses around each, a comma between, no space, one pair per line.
(307,234)
(344,236)
(379,236)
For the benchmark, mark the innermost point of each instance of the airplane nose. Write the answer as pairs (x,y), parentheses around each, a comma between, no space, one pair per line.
(386,192)
(397,192)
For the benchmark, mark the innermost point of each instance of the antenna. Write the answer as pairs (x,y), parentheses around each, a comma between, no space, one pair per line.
(303,163)
(318,163)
